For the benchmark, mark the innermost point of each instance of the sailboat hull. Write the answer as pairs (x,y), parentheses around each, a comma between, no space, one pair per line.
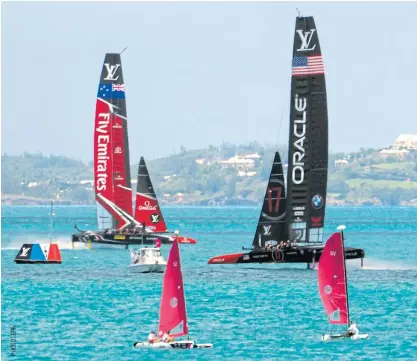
(125,240)
(342,336)
(177,345)
(305,254)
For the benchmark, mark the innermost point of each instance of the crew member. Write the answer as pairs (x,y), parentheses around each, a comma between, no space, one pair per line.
(152,337)
(352,330)
(167,337)
(158,243)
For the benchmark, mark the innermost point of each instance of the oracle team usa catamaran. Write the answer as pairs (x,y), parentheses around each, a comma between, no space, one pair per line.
(118,224)
(290,227)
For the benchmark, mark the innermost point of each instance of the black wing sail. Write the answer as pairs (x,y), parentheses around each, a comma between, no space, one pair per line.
(271,224)
(308,141)
(147,208)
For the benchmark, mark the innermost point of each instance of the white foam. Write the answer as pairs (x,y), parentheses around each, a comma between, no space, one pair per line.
(62,241)
(383,265)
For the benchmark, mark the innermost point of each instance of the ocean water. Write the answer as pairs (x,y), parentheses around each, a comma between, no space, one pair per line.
(92,308)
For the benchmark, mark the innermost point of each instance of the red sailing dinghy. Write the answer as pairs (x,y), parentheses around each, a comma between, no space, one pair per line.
(172,312)
(333,287)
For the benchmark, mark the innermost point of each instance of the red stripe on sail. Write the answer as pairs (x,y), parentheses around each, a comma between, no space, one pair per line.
(103,158)
(122,197)
(172,314)
(147,210)
(103,166)
(332,280)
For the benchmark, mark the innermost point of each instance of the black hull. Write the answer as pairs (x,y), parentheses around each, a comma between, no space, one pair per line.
(121,239)
(19,261)
(305,254)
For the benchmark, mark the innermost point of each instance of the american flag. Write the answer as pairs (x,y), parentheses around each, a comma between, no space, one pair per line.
(307,65)
(118,87)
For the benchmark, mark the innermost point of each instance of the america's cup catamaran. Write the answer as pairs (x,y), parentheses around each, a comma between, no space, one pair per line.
(112,181)
(295,222)
(333,287)
(172,313)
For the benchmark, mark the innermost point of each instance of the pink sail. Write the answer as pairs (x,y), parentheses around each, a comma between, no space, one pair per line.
(332,280)
(172,314)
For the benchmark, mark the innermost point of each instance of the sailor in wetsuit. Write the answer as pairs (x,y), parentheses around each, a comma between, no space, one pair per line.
(352,330)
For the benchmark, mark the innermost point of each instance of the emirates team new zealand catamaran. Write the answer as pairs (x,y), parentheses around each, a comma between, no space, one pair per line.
(112,182)
(290,228)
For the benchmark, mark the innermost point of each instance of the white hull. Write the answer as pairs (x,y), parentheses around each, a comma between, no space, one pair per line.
(338,337)
(176,345)
(147,260)
(147,268)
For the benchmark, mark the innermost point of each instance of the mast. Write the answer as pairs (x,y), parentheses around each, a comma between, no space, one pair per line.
(51,221)
(271,224)
(341,228)
(308,137)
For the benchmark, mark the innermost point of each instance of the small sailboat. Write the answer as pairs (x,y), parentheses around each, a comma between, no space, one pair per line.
(147,259)
(31,253)
(172,313)
(333,287)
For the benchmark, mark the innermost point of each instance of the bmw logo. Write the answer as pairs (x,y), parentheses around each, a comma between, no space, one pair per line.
(317,201)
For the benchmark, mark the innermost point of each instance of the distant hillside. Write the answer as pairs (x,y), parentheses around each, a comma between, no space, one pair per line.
(227,174)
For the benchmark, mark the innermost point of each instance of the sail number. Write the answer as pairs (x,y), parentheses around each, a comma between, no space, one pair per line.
(271,207)
(332,253)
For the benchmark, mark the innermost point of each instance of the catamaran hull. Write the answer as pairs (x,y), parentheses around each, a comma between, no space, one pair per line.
(126,240)
(338,337)
(148,268)
(294,255)
(177,345)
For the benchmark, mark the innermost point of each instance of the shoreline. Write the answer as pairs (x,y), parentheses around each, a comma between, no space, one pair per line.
(16,200)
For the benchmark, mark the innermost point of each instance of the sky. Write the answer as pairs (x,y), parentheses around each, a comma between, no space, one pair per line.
(201,73)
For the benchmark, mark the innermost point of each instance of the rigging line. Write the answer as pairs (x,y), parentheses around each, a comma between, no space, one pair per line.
(123,50)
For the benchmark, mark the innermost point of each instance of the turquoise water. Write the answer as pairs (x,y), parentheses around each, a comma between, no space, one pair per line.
(92,308)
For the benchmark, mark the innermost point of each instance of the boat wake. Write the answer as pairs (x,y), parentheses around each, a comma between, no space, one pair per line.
(382,265)
(63,242)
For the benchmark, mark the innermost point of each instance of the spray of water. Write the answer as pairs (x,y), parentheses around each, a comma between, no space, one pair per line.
(383,265)
(64,242)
